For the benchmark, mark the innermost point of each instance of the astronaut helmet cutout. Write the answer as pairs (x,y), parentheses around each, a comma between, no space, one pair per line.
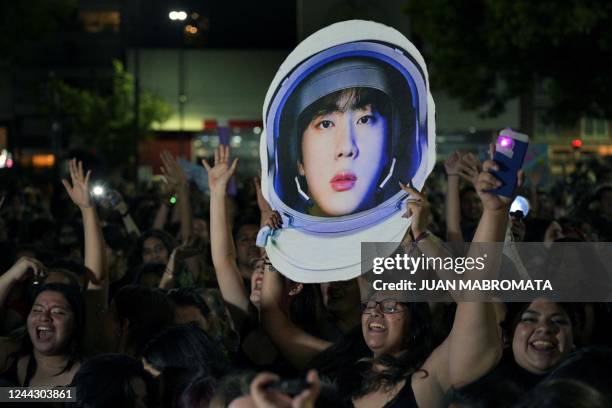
(347,117)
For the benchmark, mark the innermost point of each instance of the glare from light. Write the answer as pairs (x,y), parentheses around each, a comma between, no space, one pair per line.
(236,141)
(97,190)
(257,130)
(175,15)
(505,141)
(191,29)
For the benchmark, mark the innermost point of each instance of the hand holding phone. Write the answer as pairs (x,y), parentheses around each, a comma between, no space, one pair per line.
(510,150)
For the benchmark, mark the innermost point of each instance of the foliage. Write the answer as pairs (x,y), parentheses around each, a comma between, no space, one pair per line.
(105,121)
(486,52)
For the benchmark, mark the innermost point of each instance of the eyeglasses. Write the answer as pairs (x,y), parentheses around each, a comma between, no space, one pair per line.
(387,306)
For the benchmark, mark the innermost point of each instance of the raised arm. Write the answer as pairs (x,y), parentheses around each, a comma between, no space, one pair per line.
(222,244)
(295,344)
(94,240)
(175,177)
(128,222)
(475,343)
(24,268)
(452,206)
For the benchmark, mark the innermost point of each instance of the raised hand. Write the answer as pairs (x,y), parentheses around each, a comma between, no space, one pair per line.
(26,267)
(487,181)
(79,191)
(418,206)
(174,175)
(469,167)
(220,174)
(273,220)
(451,164)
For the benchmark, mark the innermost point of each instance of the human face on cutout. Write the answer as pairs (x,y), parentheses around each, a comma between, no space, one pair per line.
(50,323)
(384,332)
(343,155)
(246,249)
(543,337)
(154,251)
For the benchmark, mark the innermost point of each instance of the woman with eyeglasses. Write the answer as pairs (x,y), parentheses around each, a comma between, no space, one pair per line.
(390,361)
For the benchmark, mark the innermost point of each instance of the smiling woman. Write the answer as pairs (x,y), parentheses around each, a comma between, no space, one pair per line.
(55,328)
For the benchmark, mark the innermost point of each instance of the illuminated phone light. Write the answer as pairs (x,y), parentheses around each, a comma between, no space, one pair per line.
(505,142)
(98,190)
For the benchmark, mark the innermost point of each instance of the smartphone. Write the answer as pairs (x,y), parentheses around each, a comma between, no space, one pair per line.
(510,151)
(290,387)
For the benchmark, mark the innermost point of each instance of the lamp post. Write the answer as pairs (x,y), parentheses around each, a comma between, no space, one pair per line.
(180,16)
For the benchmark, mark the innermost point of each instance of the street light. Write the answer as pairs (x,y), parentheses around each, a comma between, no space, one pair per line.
(179,15)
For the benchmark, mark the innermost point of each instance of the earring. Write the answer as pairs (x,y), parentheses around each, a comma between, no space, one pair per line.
(301,192)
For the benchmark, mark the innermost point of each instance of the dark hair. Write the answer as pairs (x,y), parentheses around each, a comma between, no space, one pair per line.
(147,310)
(246,219)
(197,393)
(589,364)
(304,307)
(115,237)
(164,237)
(495,389)
(156,269)
(351,363)
(233,386)
(77,272)
(185,346)
(564,393)
(105,381)
(189,297)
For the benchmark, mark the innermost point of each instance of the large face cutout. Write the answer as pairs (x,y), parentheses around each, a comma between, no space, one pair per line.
(343,155)
(347,117)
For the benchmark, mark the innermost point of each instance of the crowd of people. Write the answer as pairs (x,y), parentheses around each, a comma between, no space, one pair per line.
(161,298)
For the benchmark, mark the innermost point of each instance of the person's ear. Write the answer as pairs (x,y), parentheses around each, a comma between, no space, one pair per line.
(301,171)
(296,289)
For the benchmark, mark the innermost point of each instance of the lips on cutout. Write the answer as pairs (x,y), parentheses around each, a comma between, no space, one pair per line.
(343,181)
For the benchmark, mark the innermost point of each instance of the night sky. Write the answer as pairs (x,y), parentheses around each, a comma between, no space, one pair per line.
(269,24)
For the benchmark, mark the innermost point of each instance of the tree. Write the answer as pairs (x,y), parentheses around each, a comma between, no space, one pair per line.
(486,52)
(105,121)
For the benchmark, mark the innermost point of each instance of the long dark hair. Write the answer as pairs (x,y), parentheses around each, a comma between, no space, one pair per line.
(351,362)
(105,381)
(186,346)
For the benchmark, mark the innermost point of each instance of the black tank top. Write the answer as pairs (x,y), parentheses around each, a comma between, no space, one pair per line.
(404,399)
